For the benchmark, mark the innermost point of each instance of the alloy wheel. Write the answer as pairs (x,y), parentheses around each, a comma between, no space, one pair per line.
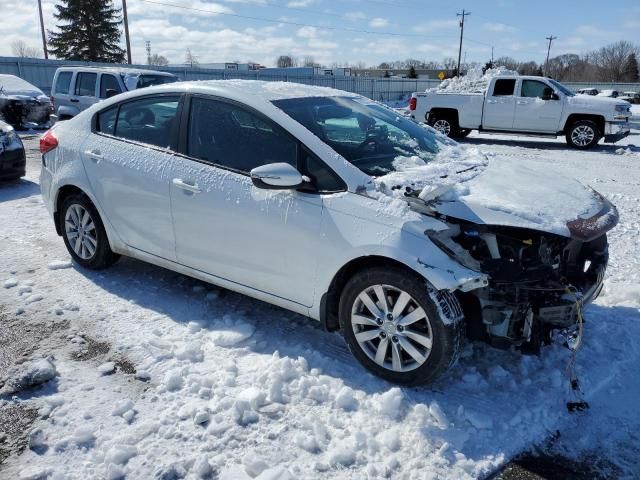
(80,230)
(443,126)
(391,328)
(582,135)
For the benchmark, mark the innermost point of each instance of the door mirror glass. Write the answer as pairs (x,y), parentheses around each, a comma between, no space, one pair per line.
(549,94)
(276,176)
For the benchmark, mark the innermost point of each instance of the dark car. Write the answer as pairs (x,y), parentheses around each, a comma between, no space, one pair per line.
(23,105)
(12,157)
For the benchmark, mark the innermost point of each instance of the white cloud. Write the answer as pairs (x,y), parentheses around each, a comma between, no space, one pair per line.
(355,16)
(378,22)
(307,32)
(434,25)
(498,27)
(299,3)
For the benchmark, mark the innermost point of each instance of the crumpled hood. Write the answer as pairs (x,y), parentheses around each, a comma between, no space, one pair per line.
(504,193)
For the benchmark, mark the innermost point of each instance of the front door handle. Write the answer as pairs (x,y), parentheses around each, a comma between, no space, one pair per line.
(523,102)
(178,182)
(94,155)
(74,100)
(492,101)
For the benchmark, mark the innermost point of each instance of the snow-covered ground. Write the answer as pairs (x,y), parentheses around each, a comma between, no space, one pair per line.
(229,387)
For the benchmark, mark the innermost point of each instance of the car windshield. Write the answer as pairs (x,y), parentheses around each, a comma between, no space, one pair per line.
(562,88)
(147,80)
(368,135)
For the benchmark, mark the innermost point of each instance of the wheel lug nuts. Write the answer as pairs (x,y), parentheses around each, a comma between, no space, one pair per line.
(400,328)
(383,335)
(394,339)
(379,321)
(389,316)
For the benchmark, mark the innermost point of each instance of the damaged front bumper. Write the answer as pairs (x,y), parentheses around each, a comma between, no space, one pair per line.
(615,131)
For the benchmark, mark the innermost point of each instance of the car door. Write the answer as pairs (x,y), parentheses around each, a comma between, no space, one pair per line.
(533,113)
(61,91)
(227,227)
(499,105)
(84,92)
(128,160)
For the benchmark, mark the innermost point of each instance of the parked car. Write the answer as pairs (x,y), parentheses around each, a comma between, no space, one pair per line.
(588,91)
(527,105)
(631,97)
(77,88)
(21,104)
(608,93)
(13,161)
(333,206)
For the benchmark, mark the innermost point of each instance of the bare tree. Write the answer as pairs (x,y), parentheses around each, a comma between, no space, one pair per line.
(21,49)
(308,61)
(449,63)
(611,60)
(286,61)
(190,59)
(156,59)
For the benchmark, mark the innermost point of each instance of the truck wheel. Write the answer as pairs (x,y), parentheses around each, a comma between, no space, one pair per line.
(583,135)
(444,124)
(395,329)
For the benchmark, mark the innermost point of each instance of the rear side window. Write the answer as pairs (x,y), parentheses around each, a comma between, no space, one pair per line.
(532,88)
(108,82)
(86,84)
(233,137)
(107,120)
(63,82)
(148,120)
(504,87)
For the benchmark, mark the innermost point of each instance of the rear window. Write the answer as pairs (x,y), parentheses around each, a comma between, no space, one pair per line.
(150,80)
(108,82)
(504,87)
(86,84)
(63,82)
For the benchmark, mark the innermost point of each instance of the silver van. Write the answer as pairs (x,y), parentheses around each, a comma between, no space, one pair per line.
(77,88)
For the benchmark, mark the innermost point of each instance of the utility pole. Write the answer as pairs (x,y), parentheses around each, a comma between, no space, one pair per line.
(463,14)
(148,47)
(492,57)
(126,30)
(551,38)
(44,37)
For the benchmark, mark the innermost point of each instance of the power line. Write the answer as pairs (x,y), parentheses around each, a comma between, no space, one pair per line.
(463,14)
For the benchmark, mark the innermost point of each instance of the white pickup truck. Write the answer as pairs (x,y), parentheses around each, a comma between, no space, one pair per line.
(525,105)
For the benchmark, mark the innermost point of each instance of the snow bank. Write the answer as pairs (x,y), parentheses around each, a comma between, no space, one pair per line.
(473,82)
(28,375)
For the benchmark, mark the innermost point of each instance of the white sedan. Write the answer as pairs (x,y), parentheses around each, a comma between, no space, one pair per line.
(335,207)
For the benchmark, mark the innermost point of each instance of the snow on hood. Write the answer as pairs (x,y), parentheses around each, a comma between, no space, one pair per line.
(473,82)
(463,183)
(15,87)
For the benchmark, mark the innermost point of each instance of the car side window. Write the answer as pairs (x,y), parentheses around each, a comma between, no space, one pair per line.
(108,82)
(228,135)
(504,87)
(106,121)
(86,84)
(147,120)
(532,88)
(63,82)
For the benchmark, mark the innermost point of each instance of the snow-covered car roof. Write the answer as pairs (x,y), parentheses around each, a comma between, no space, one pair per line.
(120,70)
(10,85)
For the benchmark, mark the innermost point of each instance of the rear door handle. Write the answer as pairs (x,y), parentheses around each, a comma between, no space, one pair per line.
(178,182)
(492,101)
(74,100)
(94,155)
(523,102)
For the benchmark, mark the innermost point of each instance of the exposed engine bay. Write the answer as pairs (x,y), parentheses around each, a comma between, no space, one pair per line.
(538,281)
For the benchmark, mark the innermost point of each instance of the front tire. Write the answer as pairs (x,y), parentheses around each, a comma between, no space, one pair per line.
(84,234)
(583,135)
(394,328)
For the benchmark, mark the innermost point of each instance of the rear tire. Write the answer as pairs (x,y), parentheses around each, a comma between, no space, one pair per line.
(84,234)
(407,340)
(445,124)
(583,135)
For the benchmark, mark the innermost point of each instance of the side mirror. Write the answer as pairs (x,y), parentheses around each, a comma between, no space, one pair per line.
(276,176)
(549,94)
(112,92)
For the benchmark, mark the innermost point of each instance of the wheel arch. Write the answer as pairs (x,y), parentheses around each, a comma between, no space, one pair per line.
(451,113)
(330,299)
(576,117)
(62,193)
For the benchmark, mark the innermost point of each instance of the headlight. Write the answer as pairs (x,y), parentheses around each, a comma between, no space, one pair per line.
(622,108)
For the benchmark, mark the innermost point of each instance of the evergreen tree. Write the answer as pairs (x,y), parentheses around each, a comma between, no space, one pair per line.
(89,30)
(631,73)
(412,72)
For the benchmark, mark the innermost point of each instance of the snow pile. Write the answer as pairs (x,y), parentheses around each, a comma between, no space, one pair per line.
(28,375)
(473,82)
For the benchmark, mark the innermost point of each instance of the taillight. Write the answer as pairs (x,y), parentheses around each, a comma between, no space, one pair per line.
(53,103)
(412,103)
(48,142)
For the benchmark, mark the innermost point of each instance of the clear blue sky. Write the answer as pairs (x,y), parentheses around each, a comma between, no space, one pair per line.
(370,31)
